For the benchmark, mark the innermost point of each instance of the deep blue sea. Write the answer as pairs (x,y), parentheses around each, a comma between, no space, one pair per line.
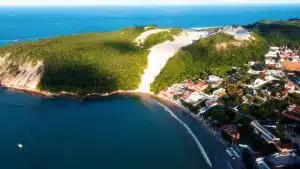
(21,24)
(120,132)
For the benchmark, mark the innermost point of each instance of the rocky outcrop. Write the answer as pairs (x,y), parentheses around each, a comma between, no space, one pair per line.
(20,76)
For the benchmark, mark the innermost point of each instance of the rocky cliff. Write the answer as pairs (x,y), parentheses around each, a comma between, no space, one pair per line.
(20,76)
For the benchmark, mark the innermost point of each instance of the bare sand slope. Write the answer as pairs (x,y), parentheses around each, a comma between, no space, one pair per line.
(239,33)
(25,76)
(161,53)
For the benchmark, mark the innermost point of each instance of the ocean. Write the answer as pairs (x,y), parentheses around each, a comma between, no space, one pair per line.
(114,132)
(23,24)
(135,132)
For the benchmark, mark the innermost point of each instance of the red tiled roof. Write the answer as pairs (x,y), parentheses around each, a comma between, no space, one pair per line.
(294,66)
(231,131)
(291,116)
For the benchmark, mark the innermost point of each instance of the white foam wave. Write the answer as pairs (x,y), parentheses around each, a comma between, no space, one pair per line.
(190,132)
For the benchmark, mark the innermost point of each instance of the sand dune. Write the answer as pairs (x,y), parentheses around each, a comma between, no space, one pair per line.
(161,53)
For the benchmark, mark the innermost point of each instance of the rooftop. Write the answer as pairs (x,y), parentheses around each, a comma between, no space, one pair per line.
(266,134)
(293,66)
(290,161)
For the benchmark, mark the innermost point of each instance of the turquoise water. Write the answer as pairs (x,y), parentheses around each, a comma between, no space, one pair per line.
(111,133)
(22,24)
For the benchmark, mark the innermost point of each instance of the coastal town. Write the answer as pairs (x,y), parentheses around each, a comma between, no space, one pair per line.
(254,108)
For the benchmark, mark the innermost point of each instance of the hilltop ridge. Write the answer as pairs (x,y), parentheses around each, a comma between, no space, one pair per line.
(112,61)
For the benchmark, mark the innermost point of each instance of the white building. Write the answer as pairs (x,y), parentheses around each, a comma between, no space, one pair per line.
(196,97)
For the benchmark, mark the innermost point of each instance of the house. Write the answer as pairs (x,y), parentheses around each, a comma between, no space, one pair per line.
(264,133)
(201,85)
(190,85)
(274,48)
(210,103)
(292,112)
(185,95)
(251,63)
(270,78)
(286,147)
(219,92)
(276,73)
(253,72)
(271,55)
(179,89)
(291,66)
(289,86)
(195,98)
(278,161)
(168,93)
(231,131)
(214,79)
(270,62)
(257,84)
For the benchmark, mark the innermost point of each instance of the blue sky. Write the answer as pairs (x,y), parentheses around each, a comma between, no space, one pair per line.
(137,2)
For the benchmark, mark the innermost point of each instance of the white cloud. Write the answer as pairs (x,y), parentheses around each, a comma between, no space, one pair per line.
(137,2)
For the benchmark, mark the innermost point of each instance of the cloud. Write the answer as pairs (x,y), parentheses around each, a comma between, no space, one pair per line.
(137,2)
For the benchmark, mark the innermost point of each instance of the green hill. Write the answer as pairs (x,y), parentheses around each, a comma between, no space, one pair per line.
(278,33)
(85,63)
(213,55)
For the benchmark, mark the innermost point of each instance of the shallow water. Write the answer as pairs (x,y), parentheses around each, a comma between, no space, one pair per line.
(111,133)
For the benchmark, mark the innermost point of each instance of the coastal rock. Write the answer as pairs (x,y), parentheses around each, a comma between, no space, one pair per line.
(20,76)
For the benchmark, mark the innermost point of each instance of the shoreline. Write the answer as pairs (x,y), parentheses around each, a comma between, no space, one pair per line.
(97,96)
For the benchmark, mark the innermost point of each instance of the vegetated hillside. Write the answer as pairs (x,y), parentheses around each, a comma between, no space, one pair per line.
(85,63)
(212,55)
(161,37)
(278,33)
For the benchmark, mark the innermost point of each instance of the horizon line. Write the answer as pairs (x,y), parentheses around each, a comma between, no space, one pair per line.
(149,5)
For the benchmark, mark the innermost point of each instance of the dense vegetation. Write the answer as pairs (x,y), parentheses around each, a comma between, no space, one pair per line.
(279,33)
(84,63)
(161,37)
(212,55)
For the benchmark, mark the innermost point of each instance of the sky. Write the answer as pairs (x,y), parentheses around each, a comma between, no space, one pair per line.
(137,2)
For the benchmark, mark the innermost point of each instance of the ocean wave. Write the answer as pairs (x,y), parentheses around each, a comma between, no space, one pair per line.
(189,131)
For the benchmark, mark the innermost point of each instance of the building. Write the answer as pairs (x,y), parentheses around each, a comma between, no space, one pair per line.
(289,86)
(219,92)
(195,97)
(274,48)
(231,131)
(210,103)
(185,95)
(275,73)
(291,66)
(190,85)
(257,84)
(293,112)
(278,161)
(201,85)
(264,133)
(254,72)
(214,79)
